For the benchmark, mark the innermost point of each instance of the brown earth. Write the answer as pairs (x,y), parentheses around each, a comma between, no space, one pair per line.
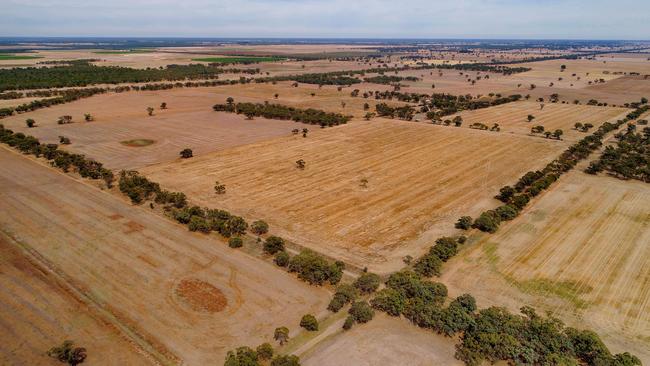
(201,296)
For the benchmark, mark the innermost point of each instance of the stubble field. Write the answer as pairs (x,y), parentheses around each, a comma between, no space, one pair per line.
(420,179)
(580,251)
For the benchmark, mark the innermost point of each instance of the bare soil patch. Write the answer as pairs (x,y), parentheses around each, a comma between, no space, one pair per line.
(137,142)
(201,296)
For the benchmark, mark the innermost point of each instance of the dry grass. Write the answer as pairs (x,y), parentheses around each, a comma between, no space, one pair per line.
(421,178)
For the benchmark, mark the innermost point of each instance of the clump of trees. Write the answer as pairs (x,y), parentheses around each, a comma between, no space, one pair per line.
(367,283)
(282,112)
(315,269)
(345,294)
(404,112)
(246,356)
(430,264)
(360,312)
(629,159)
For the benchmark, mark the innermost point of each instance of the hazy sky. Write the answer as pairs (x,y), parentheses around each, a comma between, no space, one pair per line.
(575,19)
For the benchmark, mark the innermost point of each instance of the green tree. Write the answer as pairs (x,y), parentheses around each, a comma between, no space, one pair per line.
(235,242)
(309,322)
(30,122)
(464,223)
(282,259)
(219,188)
(264,351)
(361,312)
(259,227)
(285,360)
(150,111)
(389,301)
(273,244)
(281,335)
(367,283)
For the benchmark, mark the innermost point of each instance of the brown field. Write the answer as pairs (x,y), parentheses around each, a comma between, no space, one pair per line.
(189,121)
(129,263)
(513,117)
(421,178)
(37,314)
(383,341)
(580,251)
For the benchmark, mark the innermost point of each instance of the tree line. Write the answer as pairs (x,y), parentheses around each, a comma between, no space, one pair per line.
(61,159)
(278,111)
(629,159)
(492,334)
(83,74)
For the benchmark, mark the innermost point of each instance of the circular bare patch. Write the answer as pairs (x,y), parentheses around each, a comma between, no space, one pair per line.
(137,142)
(201,296)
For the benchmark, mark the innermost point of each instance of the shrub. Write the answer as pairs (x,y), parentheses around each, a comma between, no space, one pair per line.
(273,244)
(198,223)
(349,322)
(367,283)
(309,322)
(282,259)
(235,242)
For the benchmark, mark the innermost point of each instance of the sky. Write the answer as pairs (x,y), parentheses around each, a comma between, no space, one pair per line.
(510,19)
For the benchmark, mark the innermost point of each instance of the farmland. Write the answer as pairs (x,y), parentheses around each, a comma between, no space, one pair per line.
(513,117)
(411,195)
(119,250)
(202,249)
(580,251)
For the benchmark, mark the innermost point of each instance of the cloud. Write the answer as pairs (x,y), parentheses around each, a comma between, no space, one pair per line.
(595,19)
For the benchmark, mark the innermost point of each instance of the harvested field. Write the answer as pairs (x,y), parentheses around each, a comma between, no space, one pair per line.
(383,341)
(421,178)
(189,121)
(38,313)
(580,250)
(128,262)
(513,117)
